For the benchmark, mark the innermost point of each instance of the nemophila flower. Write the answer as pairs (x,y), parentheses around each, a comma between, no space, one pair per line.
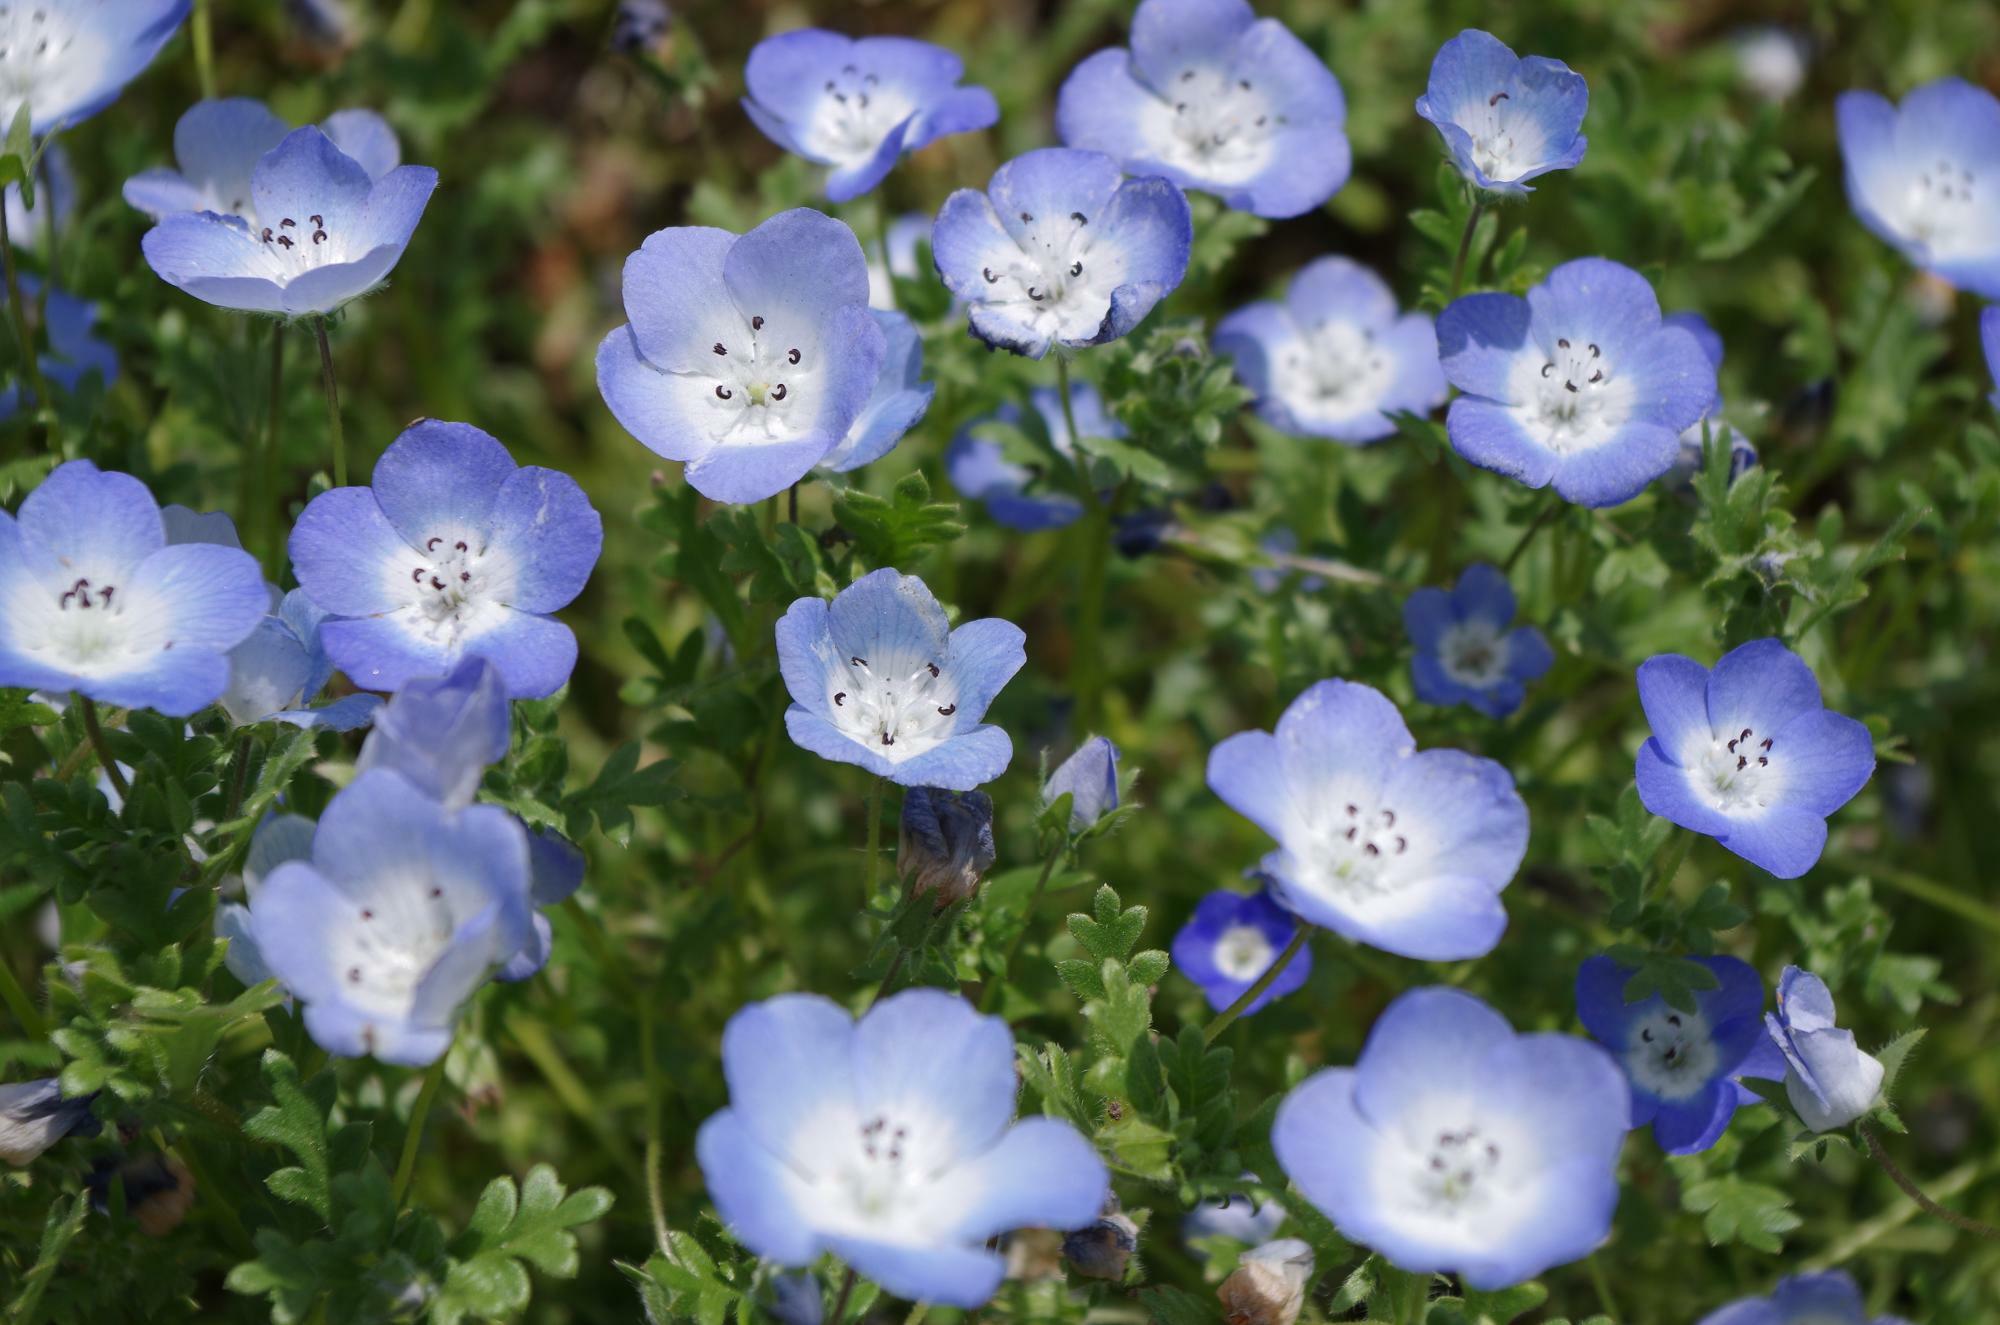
(1747,754)
(904,234)
(1216,99)
(1089,777)
(1236,1217)
(1581,385)
(1504,118)
(897,403)
(404,909)
(879,678)
(1334,358)
(1828,1298)
(1231,940)
(946,843)
(1925,176)
(277,672)
(1268,1286)
(55,198)
(1103,1248)
(1466,653)
(455,552)
(1828,1079)
(1455,1146)
(1015,495)
(75,352)
(888,1142)
(857,104)
(1989,335)
(67,61)
(1061,249)
(93,598)
(1404,850)
(219,143)
(1682,1065)
(319,231)
(34,1116)
(277,838)
(747,357)
(1710,426)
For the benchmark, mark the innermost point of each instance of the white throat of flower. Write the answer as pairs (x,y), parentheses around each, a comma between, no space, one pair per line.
(390,944)
(1507,142)
(1474,654)
(1335,368)
(1739,772)
(1353,853)
(1243,952)
(86,622)
(1942,206)
(1214,125)
(1456,1170)
(899,708)
(1671,1054)
(1572,397)
(44,52)
(453,582)
(291,246)
(758,381)
(878,1176)
(1058,279)
(854,114)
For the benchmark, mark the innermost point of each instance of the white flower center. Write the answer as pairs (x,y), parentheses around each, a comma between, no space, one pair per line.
(1505,144)
(385,954)
(1456,1173)
(1336,368)
(1243,952)
(1736,773)
(41,60)
(898,714)
(86,623)
(1671,1055)
(1214,125)
(1572,398)
(758,381)
(855,115)
(1352,855)
(294,245)
(452,583)
(1941,204)
(1052,281)
(1473,654)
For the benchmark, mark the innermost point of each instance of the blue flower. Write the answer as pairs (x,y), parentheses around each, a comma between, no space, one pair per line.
(856,105)
(889,1142)
(55,195)
(1465,652)
(879,678)
(1089,778)
(1504,119)
(1334,358)
(404,909)
(1580,385)
(67,61)
(276,674)
(1014,495)
(904,234)
(1061,249)
(1383,845)
(319,231)
(1455,1146)
(74,351)
(97,601)
(897,403)
(1828,1298)
(1742,453)
(1216,99)
(1682,1065)
(219,143)
(455,552)
(946,843)
(1747,754)
(1236,1217)
(747,357)
(1989,334)
(276,839)
(1914,175)
(1828,1079)
(34,1116)
(1231,940)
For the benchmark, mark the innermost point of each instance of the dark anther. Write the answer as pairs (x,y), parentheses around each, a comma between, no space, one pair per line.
(1076,269)
(417,575)
(1562,344)
(757,323)
(1669,1055)
(1187,75)
(829,85)
(1079,218)
(720,348)
(1595,352)
(841,97)
(887,739)
(436,893)
(849,70)
(1497,98)
(465,577)
(1372,850)
(460,545)
(1034,294)
(1243,83)
(863,100)
(1570,387)
(778,391)
(354,975)
(1548,368)
(987,272)
(1647,1036)
(1746,734)
(319,222)
(1180,108)
(839,698)
(1597,376)
(1766,744)
(1350,834)
(319,236)
(792,355)
(1388,818)
(1732,747)
(366,914)
(1762,760)
(859,662)
(267,234)
(1402,845)
(1353,809)
(432,545)
(436,583)
(723,392)
(287,223)
(870,81)
(947,710)
(1741,762)
(1263,120)
(1673,1021)
(1027,217)
(934,670)
(285,241)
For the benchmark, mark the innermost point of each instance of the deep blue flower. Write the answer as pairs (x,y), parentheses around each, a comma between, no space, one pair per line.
(1216,99)
(897,403)
(1580,385)
(1231,940)
(1061,249)
(55,196)
(946,843)
(1089,777)
(747,357)
(1465,652)
(1334,358)
(67,61)
(74,351)
(1710,426)
(1014,495)
(855,105)
(97,601)
(34,1116)
(1748,754)
(879,678)
(1828,1078)
(1504,119)
(1989,333)
(219,143)
(454,552)
(1920,177)
(1405,851)
(904,234)
(1455,1146)
(404,909)
(1828,1298)
(1682,1066)
(889,1142)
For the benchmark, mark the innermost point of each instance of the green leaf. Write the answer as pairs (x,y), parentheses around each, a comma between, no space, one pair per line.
(64,1222)
(297,1121)
(901,528)
(509,1226)
(620,786)
(1735,1209)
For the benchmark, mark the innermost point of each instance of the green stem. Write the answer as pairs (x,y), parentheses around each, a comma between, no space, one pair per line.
(406,1166)
(1087,657)
(1465,246)
(991,997)
(1938,894)
(889,976)
(266,519)
(1867,1234)
(655,1149)
(917,1314)
(332,404)
(1602,1284)
(882,251)
(1542,517)
(17,309)
(1916,1193)
(1673,854)
(839,1312)
(239,774)
(204,49)
(874,849)
(88,708)
(1221,1021)
(18,1003)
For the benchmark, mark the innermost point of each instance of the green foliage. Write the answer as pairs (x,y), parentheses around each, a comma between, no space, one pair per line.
(896,530)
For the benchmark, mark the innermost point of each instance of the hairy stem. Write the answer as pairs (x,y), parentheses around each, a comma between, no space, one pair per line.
(1465,246)
(413,1138)
(17,309)
(266,521)
(1916,1193)
(1087,657)
(991,997)
(655,1148)
(332,404)
(1221,1021)
(203,32)
(839,1312)
(95,729)
(1542,517)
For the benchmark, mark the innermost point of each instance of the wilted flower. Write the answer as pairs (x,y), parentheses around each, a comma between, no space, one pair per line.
(1465,652)
(1089,778)
(897,403)
(888,1142)
(946,844)
(219,143)
(1269,1285)
(67,61)
(1216,99)
(1828,1079)
(1104,1248)
(74,353)
(34,1116)
(1455,1146)
(1231,940)
(1505,119)
(1012,494)
(1914,175)
(158,1191)
(1828,1298)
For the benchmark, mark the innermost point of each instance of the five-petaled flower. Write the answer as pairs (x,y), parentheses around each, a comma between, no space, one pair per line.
(879,678)
(1682,1064)
(1015,495)
(1231,940)
(1465,652)
(747,357)
(68,59)
(1456,1146)
(1925,177)
(454,552)
(1089,777)
(1827,1298)
(1504,119)
(1748,754)
(1061,249)
(896,405)
(1581,385)
(1828,1078)
(96,600)
(219,143)
(1216,99)
(1402,850)
(889,1142)
(1334,359)
(856,105)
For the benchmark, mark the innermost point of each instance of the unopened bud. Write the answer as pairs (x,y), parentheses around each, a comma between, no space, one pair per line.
(1102,1250)
(947,842)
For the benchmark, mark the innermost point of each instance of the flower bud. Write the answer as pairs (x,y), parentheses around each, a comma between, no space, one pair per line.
(34,1116)
(1090,776)
(946,843)
(1269,1285)
(1102,1250)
